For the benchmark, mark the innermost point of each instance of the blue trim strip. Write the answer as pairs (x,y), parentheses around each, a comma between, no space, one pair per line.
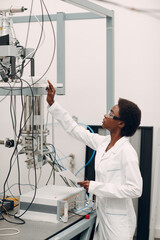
(112,170)
(117,214)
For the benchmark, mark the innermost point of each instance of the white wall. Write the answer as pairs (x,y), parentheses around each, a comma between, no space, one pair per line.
(137,58)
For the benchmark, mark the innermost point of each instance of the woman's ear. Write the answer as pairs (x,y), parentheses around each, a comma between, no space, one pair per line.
(121,124)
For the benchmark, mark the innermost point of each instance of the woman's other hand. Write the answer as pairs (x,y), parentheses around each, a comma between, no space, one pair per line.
(84,184)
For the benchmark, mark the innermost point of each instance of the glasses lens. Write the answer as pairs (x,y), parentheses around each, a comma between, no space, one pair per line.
(110,114)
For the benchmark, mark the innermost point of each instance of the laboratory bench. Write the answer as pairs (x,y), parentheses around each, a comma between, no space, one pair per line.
(77,227)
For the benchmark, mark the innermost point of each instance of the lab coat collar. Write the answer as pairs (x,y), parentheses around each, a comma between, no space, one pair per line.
(119,143)
(112,150)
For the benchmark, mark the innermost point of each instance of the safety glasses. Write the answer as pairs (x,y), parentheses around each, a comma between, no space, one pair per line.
(111,115)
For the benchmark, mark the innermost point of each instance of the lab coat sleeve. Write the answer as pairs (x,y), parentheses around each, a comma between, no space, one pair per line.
(80,133)
(130,188)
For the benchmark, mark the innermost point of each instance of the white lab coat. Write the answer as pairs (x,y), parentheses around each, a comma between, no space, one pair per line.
(117,181)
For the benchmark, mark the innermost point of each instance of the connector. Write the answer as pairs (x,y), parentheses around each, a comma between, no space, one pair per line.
(9,143)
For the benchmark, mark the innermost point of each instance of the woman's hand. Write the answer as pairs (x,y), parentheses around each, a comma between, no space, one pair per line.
(84,184)
(51,93)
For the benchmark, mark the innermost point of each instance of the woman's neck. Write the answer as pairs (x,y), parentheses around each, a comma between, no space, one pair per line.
(114,139)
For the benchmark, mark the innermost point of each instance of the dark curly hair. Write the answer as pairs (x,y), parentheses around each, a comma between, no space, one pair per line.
(130,114)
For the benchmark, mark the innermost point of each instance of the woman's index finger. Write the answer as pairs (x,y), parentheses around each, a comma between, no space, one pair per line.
(50,85)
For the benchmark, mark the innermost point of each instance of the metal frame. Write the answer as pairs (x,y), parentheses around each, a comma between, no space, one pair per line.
(6,91)
(99,12)
(92,7)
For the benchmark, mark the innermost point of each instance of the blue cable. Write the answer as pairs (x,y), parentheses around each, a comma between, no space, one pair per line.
(93,150)
(82,209)
(59,160)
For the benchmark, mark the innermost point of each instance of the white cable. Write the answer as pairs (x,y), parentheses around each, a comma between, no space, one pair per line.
(40,174)
(9,90)
(29,179)
(14,185)
(43,35)
(41,41)
(9,234)
(43,29)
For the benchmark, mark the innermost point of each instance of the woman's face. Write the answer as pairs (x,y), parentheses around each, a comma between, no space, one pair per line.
(108,121)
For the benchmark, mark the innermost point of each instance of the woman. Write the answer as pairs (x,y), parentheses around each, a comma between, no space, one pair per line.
(118,177)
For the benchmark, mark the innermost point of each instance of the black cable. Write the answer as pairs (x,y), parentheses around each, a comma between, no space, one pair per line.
(34,162)
(40,38)
(52,171)
(11,105)
(19,176)
(53,177)
(9,169)
(19,223)
(20,127)
(11,109)
(22,68)
(74,184)
(76,213)
(54,49)
(65,181)
(13,124)
(61,168)
(19,217)
(14,128)
(15,151)
(21,119)
(50,176)
(53,55)
(20,130)
(32,94)
(28,29)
